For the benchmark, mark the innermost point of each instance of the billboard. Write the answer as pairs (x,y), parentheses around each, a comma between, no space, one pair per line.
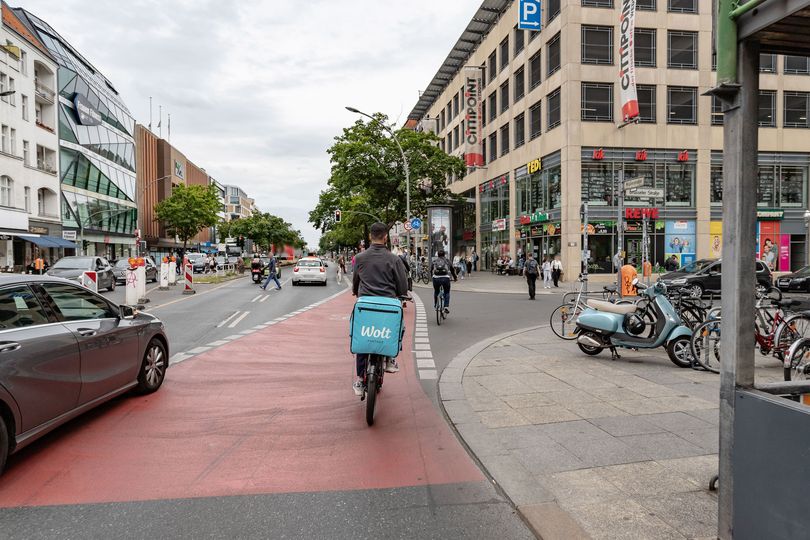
(473,142)
(440,220)
(679,240)
(627,61)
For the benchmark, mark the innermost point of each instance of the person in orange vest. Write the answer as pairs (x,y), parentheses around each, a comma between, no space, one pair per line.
(39,265)
(628,274)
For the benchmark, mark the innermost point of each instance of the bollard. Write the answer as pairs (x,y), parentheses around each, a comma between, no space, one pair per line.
(189,280)
(164,274)
(89,279)
(172,271)
(141,281)
(131,285)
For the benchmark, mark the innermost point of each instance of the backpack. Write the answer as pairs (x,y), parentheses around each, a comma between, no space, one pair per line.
(531,267)
(440,267)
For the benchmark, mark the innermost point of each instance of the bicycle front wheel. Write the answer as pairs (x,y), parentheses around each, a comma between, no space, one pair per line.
(705,345)
(425,278)
(791,329)
(797,364)
(563,321)
(440,307)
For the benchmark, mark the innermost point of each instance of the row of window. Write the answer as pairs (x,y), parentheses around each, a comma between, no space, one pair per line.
(18,63)
(597,103)
(673,6)
(7,196)
(682,47)
(795,109)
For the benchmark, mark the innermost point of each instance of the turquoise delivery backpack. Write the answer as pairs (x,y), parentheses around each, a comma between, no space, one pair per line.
(377,326)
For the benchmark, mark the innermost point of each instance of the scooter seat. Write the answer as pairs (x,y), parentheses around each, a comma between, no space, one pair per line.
(608,307)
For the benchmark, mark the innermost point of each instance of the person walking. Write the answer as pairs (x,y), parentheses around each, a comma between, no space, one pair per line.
(462,266)
(469,265)
(546,273)
(556,270)
(530,271)
(271,267)
(474,261)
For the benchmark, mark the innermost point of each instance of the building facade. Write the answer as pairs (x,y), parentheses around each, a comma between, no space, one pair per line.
(30,223)
(238,204)
(96,150)
(549,127)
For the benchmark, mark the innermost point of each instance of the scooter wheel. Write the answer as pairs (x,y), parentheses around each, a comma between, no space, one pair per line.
(587,349)
(680,351)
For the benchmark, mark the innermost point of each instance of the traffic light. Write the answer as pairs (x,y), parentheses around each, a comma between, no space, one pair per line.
(337,216)
(240,241)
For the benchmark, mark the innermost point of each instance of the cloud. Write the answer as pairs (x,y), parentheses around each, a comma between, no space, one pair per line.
(257,89)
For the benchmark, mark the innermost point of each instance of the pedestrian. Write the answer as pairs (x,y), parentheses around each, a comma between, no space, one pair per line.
(474,261)
(271,265)
(469,265)
(546,273)
(406,261)
(556,270)
(530,270)
(462,265)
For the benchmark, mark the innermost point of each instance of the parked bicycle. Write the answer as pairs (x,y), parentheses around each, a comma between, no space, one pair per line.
(563,320)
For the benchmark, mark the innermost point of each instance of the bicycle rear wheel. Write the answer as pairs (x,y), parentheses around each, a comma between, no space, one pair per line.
(371,389)
(790,330)
(797,365)
(705,345)
(563,321)
(440,307)
(425,278)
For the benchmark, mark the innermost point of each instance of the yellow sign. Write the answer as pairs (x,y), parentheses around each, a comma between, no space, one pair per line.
(534,165)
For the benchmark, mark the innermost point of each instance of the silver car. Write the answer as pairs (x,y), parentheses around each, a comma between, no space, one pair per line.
(65,350)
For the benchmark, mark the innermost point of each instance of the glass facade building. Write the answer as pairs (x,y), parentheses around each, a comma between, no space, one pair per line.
(96,150)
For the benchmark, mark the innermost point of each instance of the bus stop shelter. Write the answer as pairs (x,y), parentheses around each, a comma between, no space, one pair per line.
(764,437)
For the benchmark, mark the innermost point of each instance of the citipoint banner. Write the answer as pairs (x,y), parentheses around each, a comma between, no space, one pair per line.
(627,70)
(473,143)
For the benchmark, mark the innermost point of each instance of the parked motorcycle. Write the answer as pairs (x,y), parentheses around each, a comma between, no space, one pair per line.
(649,323)
(256,271)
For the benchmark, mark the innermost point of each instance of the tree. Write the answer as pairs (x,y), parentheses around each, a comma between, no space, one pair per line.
(267,230)
(189,210)
(368,177)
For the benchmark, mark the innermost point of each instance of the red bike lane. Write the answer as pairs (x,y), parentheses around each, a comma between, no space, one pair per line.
(272,412)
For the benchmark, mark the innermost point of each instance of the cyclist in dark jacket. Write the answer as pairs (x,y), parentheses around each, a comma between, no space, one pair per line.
(442,271)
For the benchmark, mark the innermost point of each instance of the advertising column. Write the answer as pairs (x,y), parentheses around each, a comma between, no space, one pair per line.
(440,227)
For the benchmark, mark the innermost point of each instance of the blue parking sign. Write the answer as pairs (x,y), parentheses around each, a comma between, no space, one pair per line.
(530,15)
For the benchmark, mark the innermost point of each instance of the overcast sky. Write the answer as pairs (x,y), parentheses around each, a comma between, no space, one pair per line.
(257,88)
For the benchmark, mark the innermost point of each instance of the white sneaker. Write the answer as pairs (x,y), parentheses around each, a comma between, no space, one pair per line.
(391,365)
(358,388)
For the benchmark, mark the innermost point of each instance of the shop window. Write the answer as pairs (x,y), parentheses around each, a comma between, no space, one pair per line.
(523,193)
(767,108)
(493,147)
(552,176)
(553,108)
(644,170)
(682,50)
(644,47)
(646,5)
(504,53)
(597,102)
(520,130)
(505,139)
(792,185)
(520,84)
(766,188)
(681,105)
(505,97)
(598,184)
(716,186)
(646,103)
(597,44)
(680,179)
(534,70)
(491,67)
(597,3)
(493,106)
(767,63)
(682,6)
(797,65)
(535,121)
(717,111)
(797,107)
(520,40)
(553,55)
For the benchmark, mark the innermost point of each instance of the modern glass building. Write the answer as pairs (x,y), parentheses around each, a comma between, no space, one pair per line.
(96,150)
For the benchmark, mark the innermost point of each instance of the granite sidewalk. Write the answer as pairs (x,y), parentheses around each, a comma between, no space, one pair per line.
(590,448)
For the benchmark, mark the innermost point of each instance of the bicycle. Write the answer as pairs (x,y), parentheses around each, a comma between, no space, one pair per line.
(339,276)
(563,319)
(372,384)
(423,274)
(797,361)
(440,313)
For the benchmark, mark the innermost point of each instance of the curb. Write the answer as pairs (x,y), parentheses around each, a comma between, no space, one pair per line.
(490,291)
(535,507)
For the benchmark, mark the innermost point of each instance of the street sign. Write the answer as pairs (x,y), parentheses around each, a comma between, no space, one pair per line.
(633,183)
(530,15)
(69,235)
(416,223)
(647,193)
(407,226)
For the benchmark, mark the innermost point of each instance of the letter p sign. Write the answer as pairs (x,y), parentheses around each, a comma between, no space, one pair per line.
(530,15)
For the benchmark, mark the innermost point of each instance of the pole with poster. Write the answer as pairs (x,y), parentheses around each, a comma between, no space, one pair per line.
(586,255)
(440,230)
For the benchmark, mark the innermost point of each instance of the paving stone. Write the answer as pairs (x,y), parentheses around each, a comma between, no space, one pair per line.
(522,436)
(547,414)
(622,520)
(662,445)
(692,514)
(503,418)
(706,438)
(548,520)
(460,412)
(515,480)
(542,382)
(698,469)
(547,457)
(647,479)
(613,394)
(504,385)
(709,392)
(582,486)
(595,410)
(620,426)
(602,452)
(564,397)
(488,404)
(481,440)
(527,400)
(675,421)
(712,416)
(580,431)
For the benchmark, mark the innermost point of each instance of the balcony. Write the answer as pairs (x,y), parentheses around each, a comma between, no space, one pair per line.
(45,126)
(45,166)
(43,92)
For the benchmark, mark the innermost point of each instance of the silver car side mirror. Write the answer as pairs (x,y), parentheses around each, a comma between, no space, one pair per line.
(126,313)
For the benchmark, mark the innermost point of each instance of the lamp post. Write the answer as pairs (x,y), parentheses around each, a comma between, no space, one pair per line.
(404,163)
(807,238)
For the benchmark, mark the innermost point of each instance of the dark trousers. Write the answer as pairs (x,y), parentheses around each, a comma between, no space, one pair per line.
(532,280)
(437,285)
(555,275)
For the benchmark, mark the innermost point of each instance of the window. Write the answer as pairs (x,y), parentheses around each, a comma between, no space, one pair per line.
(553,107)
(6,191)
(11,98)
(797,65)
(493,147)
(4,139)
(504,139)
(20,308)
(442,120)
(491,67)
(646,103)
(767,63)
(13,141)
(535,121)
(767,108)
(27,195)
(24,106)
(717,111)
(534,70)
(792,185)
(520,84)
(681,105)
(679,179)
(644,39)
(41,202)
(78,304)
(23,62)
(483,112)
(597,102)
(598,3)
(597,44)
(520,130)
(505,96)
(553,11)
(504,53)
(3,86)
(716,186)
(26,153)
(682,49)
(646,5)
(455,105)
(455,137)
(493,106)
(797,107)
(553,55)
(682,6)
(766,186)
(520,40)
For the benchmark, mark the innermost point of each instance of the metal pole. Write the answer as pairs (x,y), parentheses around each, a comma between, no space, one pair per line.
(645,255)
(739,227)
(585,244)
(620,223)
(726,43)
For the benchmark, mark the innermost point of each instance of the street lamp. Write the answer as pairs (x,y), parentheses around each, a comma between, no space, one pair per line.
(405,165)
(7,93)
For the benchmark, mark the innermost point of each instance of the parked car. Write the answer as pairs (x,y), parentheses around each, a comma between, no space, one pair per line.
(198,262)
(309,270)
(74,266)
(797,281)
(121,265)
(703,276)
(65,350)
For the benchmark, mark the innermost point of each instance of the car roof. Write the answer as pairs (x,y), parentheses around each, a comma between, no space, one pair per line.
(11,279)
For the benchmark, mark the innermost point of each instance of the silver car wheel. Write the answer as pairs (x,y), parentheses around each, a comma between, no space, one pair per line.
(155,365)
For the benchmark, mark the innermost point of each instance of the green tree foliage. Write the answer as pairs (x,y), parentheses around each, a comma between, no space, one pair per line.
(189,210)
(267,230)
(368,179)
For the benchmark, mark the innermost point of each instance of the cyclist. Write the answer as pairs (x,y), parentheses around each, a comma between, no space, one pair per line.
(442,271)
(377,272)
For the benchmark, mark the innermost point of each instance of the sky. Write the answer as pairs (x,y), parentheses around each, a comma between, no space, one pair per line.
(256,89)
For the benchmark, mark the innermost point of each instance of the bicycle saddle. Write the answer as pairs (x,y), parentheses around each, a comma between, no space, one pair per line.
(610,288)
(787,303)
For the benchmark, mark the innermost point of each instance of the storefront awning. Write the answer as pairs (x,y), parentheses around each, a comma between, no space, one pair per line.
(48,241)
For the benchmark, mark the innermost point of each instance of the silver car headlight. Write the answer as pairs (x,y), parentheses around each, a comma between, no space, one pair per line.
(680,281)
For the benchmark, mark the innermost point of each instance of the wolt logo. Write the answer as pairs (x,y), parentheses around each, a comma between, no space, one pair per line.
(373,331)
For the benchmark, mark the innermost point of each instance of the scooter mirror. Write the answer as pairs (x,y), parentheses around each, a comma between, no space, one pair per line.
(635,281)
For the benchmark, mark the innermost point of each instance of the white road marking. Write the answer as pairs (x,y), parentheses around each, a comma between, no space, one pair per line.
(239,319)
(198,350)
(428,374)
(422,340)
(260,327)
(264,297)
(247,332)
(425,363)
(257,298)
(226,321)
(179,357)
(218,343)
(421,346)
(235,336)
(423,354)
